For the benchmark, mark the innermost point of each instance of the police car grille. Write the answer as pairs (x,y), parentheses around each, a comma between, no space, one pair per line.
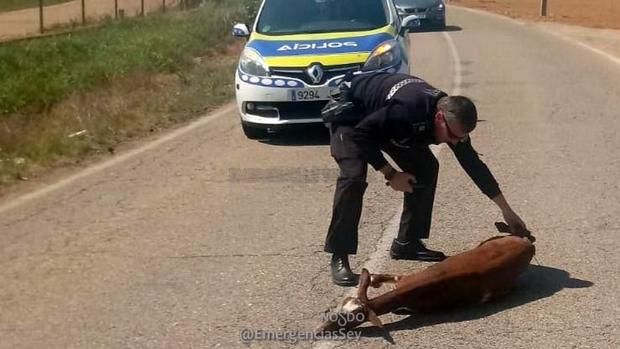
(299,110)
(415,10)
(328,72)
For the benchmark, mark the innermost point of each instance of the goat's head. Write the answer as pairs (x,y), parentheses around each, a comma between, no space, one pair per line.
(354,310)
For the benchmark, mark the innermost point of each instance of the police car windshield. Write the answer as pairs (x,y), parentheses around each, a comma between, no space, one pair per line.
(280,17)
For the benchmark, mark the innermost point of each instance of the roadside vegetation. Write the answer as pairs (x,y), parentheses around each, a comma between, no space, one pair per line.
(65,97)
(10,5)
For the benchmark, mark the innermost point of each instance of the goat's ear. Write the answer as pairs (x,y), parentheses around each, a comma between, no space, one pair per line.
(363,285)
(374,319)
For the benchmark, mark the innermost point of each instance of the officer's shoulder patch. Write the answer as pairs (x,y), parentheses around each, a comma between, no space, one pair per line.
(432,92)
(419,127)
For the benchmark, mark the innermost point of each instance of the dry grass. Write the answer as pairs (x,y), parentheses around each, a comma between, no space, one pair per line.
(96,121)
(63,99)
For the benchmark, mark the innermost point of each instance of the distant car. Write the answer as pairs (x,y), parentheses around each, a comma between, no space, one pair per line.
(299,51)
(431,12)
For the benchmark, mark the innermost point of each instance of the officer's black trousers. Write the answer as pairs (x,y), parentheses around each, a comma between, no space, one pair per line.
(415,222)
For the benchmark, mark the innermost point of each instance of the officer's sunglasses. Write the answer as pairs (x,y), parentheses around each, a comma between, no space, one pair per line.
(451,134)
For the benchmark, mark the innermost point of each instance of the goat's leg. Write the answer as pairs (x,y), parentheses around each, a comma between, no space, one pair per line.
(377,280)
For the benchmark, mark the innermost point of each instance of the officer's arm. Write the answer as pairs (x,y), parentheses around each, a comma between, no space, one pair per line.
(475,168)
(481,175)
(367,136)
(378,127)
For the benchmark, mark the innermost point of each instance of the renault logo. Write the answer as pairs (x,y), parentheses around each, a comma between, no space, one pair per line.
(315,72)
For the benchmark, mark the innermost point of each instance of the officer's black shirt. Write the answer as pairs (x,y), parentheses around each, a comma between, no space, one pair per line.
(400,108)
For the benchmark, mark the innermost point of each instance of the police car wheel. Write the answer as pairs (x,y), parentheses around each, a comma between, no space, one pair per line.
(442,24)
(253,132)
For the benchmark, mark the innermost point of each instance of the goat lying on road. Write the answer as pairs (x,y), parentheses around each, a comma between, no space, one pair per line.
(472,277)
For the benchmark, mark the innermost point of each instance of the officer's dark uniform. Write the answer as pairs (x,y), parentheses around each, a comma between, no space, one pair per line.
(397,113)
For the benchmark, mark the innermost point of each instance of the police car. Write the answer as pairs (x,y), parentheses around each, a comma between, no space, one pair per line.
(298,51)
(430,12)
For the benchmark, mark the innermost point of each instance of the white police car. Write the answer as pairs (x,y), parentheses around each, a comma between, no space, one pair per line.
(299,50)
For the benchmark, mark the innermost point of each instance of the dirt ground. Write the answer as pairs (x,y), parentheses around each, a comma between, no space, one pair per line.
(591,13)
(23,23)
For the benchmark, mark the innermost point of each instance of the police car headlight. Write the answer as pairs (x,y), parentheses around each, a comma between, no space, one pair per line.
(385,55)
(252,63)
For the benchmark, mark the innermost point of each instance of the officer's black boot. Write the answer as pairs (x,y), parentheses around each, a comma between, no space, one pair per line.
(341,271)
(414,250)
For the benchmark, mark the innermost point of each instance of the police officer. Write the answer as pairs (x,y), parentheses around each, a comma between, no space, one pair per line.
(400,115)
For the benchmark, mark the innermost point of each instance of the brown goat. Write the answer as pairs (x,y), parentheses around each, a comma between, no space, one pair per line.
(472,277)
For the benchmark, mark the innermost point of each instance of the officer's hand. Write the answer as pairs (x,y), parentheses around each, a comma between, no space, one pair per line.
(516,224)
(402,182)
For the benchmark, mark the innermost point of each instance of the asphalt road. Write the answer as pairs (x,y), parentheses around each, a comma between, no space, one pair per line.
(189,240)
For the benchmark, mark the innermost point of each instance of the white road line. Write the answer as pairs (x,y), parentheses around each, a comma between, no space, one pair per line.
(582,44)
(456,59)
(373,264)
(376,260)
(115,161)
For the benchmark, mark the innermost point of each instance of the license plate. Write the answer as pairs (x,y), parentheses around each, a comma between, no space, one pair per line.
(305,95)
